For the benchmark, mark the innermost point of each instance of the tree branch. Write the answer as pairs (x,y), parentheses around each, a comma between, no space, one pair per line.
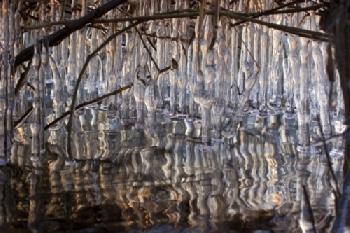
(314,35)
(70,27)
(23,117)
(87,103)
(80,77)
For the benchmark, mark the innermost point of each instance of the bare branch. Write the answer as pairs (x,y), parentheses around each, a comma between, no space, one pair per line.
(80,77)
(56,37)
(87,103)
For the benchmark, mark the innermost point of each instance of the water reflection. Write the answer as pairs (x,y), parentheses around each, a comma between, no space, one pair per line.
(155,178)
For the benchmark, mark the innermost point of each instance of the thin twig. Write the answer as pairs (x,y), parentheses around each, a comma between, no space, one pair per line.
(74,25)
(23,117)
(87,103)
(147,49)
(277,10)
(185,40)
(80,77)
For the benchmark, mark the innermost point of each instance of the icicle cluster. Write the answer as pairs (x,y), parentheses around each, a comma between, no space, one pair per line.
(212,70)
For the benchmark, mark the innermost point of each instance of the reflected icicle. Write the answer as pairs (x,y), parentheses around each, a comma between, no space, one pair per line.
(4,79)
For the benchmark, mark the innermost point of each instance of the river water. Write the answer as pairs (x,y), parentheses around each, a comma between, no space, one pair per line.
(160,178)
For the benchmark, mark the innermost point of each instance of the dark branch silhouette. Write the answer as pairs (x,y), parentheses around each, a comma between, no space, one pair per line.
(55,38)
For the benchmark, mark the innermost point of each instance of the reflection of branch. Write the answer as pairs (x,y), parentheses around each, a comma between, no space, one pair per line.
(308,204)
(87,103)
(344,134)
(80,77)
(342,216)
(329,161)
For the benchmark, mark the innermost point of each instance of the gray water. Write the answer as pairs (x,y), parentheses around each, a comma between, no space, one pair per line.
(156,178)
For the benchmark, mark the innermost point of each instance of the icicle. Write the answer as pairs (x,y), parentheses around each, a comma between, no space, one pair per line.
(319,55)
(304,109)
(242,60)
(152,70)
(72,69)
(35,203)
(194,71)
(204,99)
(57,92)
(11,77)
(340,111)
(126,76)
(235,54)
(276,66)
(249,65)
(257,66)
(227,59)
(93,67)
(218,69)
(182,73)
(81,53)
(139,86)
(288,73)
(63,62)
(118,62)
(174,74)
(110,68)
(160,57)
(264,70)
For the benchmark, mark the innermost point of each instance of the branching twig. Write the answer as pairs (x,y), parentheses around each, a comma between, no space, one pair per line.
(80,77)
(56,37)
(87,103)
(147,49)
